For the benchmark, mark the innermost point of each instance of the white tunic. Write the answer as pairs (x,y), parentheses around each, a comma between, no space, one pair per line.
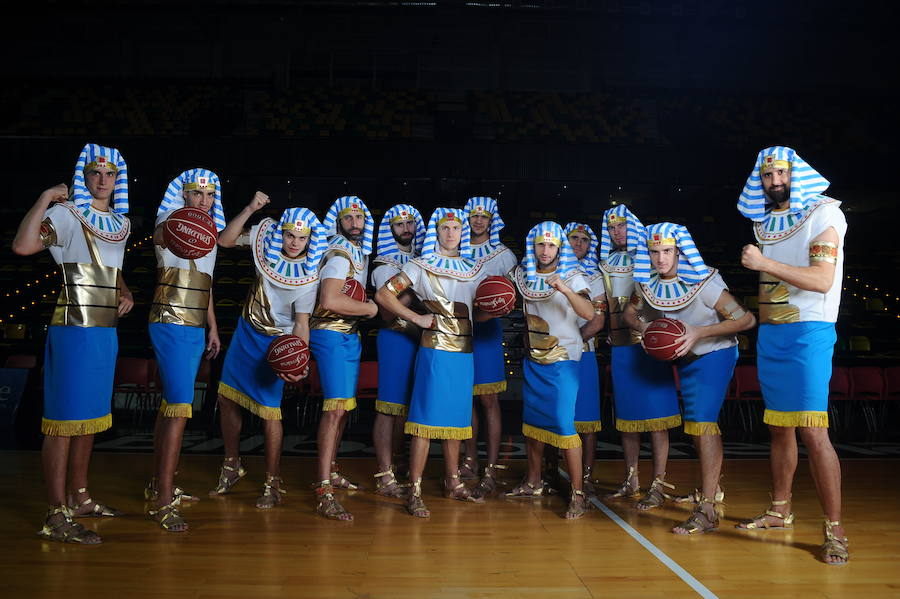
(496,261)
(71,247)
(790,245)
(164,256)
(455,289)
(595,284)
(554,308)
(382,273)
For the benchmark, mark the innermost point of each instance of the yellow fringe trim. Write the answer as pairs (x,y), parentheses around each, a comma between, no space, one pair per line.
(339,403)
(74,428)
(175,410)
(264,412)
(544,436)
(589,426)
(701,428)
(391,409)
(646,426)
(488,388)
(437,432)
(807,419)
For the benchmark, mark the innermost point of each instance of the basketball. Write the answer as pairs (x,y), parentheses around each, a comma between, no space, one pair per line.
(189,233)
(288,354)
(660,338)
(354,290)
(495,296)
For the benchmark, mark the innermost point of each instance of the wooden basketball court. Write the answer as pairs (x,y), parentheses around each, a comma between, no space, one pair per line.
(505,548)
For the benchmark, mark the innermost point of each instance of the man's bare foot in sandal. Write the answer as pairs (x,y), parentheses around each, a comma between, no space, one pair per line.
(835,549)
(457,490)
(82,506)
(60,527)
(629,488)
(387,485)
(488,482)
(777,517)
(272,494)
(468,470)
(704,519)
(339,481)
(229,475)
(414,504)
(656,496)
(578,505)
(168,518)
(328,506)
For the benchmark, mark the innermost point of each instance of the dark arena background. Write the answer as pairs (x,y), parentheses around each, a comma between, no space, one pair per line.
(559,110)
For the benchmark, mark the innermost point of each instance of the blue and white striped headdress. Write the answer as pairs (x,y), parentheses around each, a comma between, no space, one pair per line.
(636,230)
(488,207)
(691,268)
(96,155)
(549,232)
(806,183)
(195,178)
(431,245)
(387,245)
(300,220)
(589,262)
(341,206)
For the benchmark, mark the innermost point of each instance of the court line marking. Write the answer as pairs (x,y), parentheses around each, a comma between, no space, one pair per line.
(655,551)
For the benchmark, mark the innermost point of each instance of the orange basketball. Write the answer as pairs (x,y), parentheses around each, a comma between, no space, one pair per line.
(354,289)
(288,354)
(189,233)
(495,295)
(660,338)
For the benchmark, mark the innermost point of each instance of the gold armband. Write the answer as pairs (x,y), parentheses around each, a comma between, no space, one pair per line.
(398,283)
(823,251)
(48,233)
(732,311)
(600,306)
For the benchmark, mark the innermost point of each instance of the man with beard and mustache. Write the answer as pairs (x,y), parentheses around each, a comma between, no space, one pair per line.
(334,338)
(400,238)
(800,263)
(495,259)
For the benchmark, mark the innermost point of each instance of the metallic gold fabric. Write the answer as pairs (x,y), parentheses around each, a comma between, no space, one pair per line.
(406,327)
(89,296)
(823,251)
(543,347)
(181,297)
(398,283)
(452,328)
(258,311)
(774,301)
(732,311)
(619,331)
(48,233)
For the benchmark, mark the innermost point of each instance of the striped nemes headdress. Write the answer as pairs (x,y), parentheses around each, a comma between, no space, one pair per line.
(486,206)
(343,206)
(615,215)
(387,245)
(691,268)
(589,262)
(807,184)
(439,217)
(304,222)
(547,232)
(94,155)
(195,178)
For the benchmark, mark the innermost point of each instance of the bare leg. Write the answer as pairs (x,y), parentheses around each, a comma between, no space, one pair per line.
(631,447)
(418,455)
(274,433)
(491,405)
(588,450)
(451,456)
(709,449)
(231,420)
(659,442)
(535,451)
(573,464)
(329,433)
(169,433)
(382,438)
(79,462)
(55,458)
(783,462)
(469,467)
(826,470)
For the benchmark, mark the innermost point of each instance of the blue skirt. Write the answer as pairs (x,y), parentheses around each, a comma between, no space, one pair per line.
(587,405)
(794,365)
(179,350)
(247,379)
(704,384)
(643,390)
(441,405)
(490,362)
(396,367)
(79,368)
(548,393)
(337,356)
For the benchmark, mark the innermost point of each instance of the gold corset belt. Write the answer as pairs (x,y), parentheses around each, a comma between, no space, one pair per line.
(89,296)
(181,297)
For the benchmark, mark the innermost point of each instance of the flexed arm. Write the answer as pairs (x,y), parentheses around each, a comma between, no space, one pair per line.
(28,237)
(229,235)
(818,276)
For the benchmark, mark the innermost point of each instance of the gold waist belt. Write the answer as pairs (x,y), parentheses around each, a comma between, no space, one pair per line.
(329,321)
(89,296)
(548,356)
(446,342)
(774,301)
(181,297)
(452,328)
(406,327)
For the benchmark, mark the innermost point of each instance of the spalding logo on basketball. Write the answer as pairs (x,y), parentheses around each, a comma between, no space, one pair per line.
(660,338)
(495,295)
(354,289)
(288,354)
(189,233)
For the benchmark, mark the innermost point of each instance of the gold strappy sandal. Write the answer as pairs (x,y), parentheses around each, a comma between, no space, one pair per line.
(168,517)
(339,481)
(272,494)
(626,491)
(833,546)
(468,470)
(151,492)
(488,482)
(655,495)
(328,506)
(391,488)
(526,489)
(699,522)
(575,510)
(98,511)
(787,522)
(415,506)
(459,491)
(66,530)
(225,482)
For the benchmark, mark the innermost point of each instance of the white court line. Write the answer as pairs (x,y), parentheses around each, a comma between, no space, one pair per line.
(653,549)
